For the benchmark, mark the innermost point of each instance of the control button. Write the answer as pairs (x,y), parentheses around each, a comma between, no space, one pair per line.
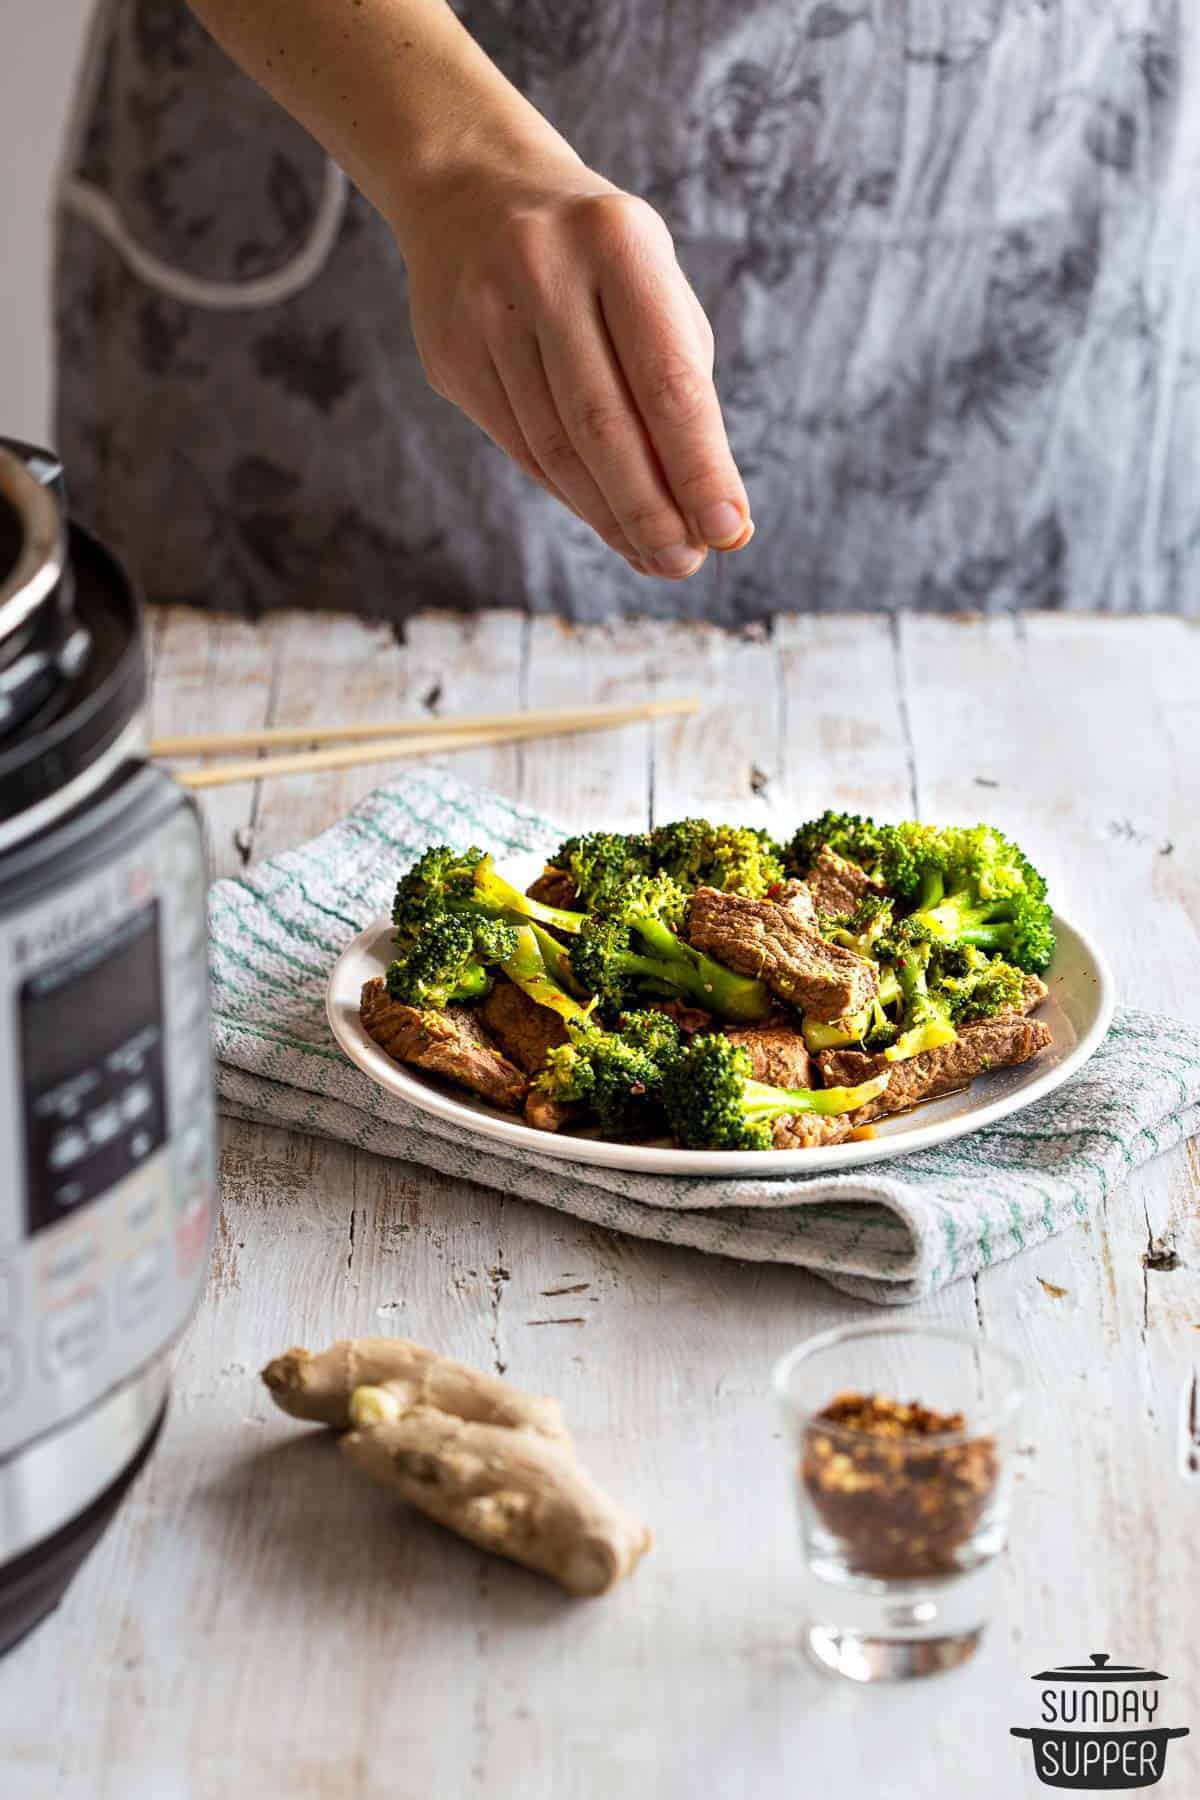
(137,1101)
(68,1147)
(10,1371)
(142,1201)
(140,1283)
(73,1334)
(104,1124)
(193,1150)
(70,1265)
(140,1145)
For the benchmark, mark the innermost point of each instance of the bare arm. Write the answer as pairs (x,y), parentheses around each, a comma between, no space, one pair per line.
(545,302)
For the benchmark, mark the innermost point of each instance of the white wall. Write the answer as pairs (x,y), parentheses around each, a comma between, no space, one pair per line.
(37,68)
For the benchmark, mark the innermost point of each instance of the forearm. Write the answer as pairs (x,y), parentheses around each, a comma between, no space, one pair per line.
(396,90)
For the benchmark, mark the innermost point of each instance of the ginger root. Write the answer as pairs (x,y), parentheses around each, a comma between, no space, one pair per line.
(492,1464)
(319,1387)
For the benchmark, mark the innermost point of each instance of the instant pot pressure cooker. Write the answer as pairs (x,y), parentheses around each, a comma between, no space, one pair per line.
(106,1108)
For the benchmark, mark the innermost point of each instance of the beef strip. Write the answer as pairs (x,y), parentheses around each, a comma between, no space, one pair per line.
(836,885)
(451,1043)
(554,887)
(798,898)
(807,1131)
(778,1053)
(760,937)
(1033,992)
(998,1043)
(523,1029)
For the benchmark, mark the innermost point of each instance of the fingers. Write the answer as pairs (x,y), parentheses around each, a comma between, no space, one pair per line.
(492,410)
(654,327)
(517,361)
(599,429)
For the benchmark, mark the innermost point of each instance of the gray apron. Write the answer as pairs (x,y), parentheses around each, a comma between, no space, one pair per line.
(950,250)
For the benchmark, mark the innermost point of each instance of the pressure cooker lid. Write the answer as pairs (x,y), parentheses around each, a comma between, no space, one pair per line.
(67,608)
(1099,1669)
(43,644)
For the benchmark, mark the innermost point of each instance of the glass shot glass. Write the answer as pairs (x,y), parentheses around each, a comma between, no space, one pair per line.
(902,1440)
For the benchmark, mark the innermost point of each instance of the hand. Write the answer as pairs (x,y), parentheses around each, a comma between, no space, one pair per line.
(549,306)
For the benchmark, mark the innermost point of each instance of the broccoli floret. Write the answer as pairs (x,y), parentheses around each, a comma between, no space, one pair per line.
(601,862)
(925,1015)
(991,987)
(714,1103)
(988,897)
(851,836)
(450,960)
(465,881)
(739,859)
(618,1075)
(635,949)
(654,1032)
(864,928)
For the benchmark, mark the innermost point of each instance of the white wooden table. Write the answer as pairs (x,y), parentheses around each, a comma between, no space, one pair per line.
(258,1624)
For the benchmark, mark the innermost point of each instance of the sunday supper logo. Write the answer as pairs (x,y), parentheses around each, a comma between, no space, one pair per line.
(1099,1726)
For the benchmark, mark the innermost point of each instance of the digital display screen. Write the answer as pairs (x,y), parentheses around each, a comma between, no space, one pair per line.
(91,1029)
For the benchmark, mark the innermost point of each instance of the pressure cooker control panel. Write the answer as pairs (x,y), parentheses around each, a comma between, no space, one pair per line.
(106,1117)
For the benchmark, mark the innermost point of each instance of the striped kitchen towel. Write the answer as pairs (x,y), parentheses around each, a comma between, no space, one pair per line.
(891,1232)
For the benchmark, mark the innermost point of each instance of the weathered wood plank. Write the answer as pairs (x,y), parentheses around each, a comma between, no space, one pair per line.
(217,674)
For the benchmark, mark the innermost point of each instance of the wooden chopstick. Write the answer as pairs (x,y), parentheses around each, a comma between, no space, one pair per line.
(548,720)
(348,756)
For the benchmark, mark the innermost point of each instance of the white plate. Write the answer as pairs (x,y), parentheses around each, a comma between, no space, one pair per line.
(1078,1010)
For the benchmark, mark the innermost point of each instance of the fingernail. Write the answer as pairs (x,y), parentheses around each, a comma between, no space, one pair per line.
(742,539)
(678,559)
(720,524)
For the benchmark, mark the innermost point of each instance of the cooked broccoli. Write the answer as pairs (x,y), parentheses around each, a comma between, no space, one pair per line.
(465,881)
(618,1074)
(601,862)
(966,884)
(862,929)
(714,1103)
(652,1031)
(925,1018)
(527,966)
(978,987)
(988,896)
(449,960)
(739,859)
(853,837)
(634,949)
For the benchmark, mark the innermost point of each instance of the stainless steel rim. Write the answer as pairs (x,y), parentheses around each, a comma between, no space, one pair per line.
(50,1482)
(129,746)
(39,566)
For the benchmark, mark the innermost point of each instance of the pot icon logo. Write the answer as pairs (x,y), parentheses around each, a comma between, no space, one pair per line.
(1099,1726)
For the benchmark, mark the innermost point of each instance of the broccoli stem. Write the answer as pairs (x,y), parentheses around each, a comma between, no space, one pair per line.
(931,889)
(930,1035)
(763,1102)
(472,984)
(555,958)
(835,1034)
(527,968)
(710,984)
(499,899)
